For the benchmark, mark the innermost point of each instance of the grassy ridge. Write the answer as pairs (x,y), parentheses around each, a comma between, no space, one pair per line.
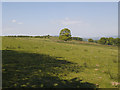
(39,62)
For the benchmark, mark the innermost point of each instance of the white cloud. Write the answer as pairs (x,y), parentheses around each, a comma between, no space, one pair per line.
(13,21)
(19,23)
(68,21)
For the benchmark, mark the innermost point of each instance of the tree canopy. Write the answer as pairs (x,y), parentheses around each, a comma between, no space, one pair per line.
(65,34)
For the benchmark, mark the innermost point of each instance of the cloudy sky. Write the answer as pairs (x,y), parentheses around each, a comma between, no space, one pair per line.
(84,19)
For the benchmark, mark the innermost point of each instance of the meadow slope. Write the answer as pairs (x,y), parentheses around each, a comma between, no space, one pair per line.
(40,62)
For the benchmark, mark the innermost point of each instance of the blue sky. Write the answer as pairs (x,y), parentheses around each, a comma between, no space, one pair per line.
(84,19)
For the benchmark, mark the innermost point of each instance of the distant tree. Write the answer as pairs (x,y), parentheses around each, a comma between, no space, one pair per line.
(109,41)
(102,40)
(90,40)
(65,34)
(48,36)
(117,41)
(80,39)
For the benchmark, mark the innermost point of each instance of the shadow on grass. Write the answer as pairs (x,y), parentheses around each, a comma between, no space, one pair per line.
(33,70)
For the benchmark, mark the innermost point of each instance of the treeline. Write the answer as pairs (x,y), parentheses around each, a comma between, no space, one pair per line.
(46,36)
(18,36)
(106,41)
(103,40)
(77,38)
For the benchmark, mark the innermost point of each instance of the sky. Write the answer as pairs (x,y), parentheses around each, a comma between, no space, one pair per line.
(84,19)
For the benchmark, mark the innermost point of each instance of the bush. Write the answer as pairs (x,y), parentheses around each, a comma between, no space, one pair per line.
(90,40)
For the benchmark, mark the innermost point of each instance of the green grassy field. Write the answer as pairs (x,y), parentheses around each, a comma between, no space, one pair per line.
(39,62)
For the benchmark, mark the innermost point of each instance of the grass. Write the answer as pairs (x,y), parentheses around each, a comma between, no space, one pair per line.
(39,62)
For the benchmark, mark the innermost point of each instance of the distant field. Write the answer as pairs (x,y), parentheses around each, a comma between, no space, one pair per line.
(40,62)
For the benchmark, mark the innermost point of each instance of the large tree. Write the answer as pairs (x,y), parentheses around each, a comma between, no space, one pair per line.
(65,34)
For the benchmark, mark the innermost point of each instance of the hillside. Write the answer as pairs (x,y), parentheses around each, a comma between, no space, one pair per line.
(40,62)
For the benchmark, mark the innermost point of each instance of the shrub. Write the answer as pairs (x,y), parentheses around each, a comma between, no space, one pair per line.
(90,40)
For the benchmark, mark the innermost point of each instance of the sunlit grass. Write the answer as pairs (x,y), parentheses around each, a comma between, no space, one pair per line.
(35,62)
